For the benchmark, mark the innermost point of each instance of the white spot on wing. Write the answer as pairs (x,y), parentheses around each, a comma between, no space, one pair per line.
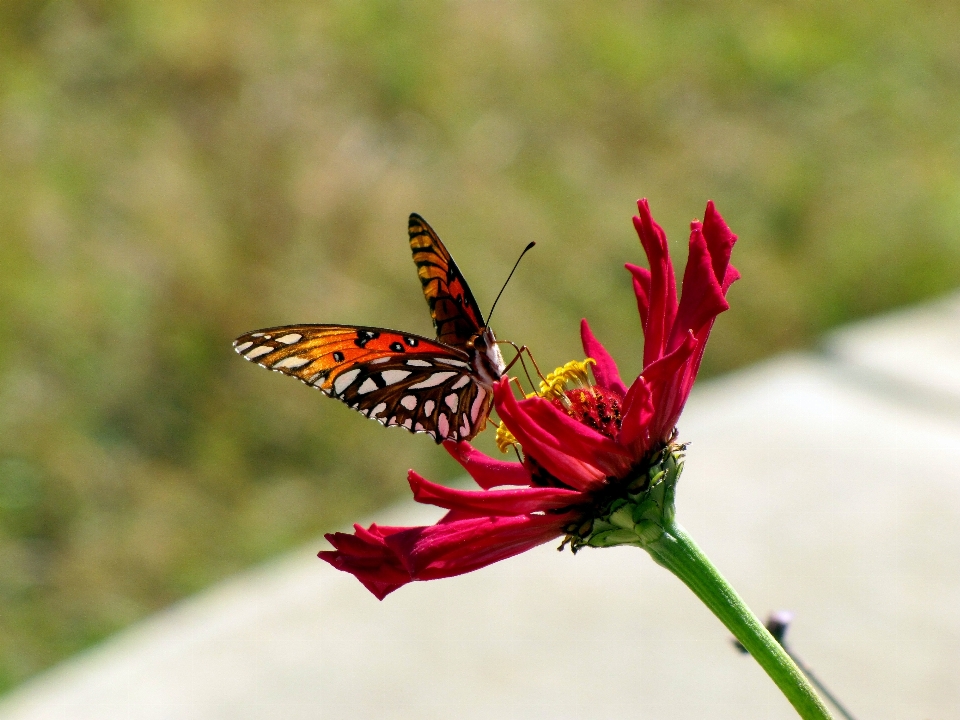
(448,361)
(292,362)
(258,351)
(452,401)
(368,386)
(378,409)
(465,430)
(381,360)
(408,423)
(290,339)
(257,335)
(443,425)
(433,380)
(428,407)
(419,363)
(343,380)
(477,405)
(461,382)
(240,348)
(392,376)
(409,402)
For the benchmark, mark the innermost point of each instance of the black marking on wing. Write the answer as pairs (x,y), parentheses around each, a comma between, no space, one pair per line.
(419,398)
(365,336)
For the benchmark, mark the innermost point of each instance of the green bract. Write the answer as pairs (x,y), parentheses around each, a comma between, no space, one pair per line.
(638,509)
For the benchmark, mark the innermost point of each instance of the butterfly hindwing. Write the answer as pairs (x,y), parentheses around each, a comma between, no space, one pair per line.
(431,394)
(453,308)
(394,378)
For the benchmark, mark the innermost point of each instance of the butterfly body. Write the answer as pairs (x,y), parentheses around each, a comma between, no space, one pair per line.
(442,387)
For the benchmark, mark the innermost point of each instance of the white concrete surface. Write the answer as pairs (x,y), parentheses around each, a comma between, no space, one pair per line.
(811,490)
(915,352)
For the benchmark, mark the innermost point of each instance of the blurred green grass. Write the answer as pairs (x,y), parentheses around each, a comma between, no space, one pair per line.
(173,174)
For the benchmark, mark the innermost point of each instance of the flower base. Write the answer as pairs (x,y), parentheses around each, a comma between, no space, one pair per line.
(638,508)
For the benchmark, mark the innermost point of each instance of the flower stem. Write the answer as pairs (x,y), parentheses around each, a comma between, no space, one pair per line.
(676,551)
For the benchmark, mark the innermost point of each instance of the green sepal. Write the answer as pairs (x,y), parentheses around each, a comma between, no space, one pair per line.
(622,518)
(609,538)
(640,511)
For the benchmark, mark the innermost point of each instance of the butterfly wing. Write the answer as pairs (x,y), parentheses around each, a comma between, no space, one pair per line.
(394,378)
(452,306)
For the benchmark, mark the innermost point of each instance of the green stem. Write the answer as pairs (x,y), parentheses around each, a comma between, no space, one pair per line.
(677,552)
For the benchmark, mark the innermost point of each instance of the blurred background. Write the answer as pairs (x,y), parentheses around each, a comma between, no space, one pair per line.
(174,174)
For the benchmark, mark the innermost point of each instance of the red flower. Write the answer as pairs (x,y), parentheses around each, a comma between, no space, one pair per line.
(581,446)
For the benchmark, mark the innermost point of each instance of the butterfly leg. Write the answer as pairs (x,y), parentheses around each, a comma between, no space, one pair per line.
(520,351)
(519,356)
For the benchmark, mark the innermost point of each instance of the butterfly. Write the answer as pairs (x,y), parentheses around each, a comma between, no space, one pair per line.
(441,387)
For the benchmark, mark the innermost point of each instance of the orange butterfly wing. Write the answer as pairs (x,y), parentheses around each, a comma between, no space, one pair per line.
(439,387)
(394,378)
(452,306)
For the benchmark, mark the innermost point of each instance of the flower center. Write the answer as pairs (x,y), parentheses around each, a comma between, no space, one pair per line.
(587,403)
(595,407)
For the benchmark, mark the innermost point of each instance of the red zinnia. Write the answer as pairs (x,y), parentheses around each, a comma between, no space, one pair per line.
(581,447)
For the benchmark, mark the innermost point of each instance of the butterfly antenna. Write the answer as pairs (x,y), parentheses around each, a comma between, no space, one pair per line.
(489,314)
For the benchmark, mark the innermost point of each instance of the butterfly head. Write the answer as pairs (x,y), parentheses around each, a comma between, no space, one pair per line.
(488,362)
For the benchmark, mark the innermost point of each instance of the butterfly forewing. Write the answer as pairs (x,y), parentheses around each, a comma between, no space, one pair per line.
(394,378)
(453,308)
(441,387)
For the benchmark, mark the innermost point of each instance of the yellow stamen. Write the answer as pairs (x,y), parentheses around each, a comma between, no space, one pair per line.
(505,438)
(552,387)
(555,384)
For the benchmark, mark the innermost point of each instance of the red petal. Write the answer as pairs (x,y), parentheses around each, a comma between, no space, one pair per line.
(574,437)
(720,240)
(663,284)
(637,414)
(605,371)
(455,548)
(670,385)
(641,288)
(702,298)
(367,557)
(538,443)
(491,502)
(486,471)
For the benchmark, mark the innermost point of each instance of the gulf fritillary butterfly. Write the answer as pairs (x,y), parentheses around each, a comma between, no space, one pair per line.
(441,387)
